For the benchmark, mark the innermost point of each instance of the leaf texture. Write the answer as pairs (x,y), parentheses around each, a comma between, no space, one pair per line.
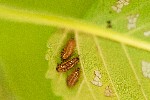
(117,53)
(97,54)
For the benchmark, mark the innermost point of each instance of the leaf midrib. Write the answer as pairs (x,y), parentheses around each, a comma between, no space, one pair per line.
(72,24)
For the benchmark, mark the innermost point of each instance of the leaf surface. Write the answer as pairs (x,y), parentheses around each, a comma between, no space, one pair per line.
(117,53)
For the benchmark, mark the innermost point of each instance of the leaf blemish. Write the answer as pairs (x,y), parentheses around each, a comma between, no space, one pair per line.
(146,69)
(108,91)
(147,33)
(96,81)
(119,5)
(132,21)
(97,73)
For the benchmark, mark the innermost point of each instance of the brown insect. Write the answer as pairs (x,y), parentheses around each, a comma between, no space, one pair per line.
(64,66)
(73,77)
(68,50)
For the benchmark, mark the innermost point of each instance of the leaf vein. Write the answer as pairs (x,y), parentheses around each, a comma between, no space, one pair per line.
(94,98)
(105,65)
(132,67)
(79,89)
(138,29)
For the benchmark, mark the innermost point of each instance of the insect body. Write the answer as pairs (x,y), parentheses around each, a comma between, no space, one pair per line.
(68,50)
(109,24)
(73,78)
(64,66)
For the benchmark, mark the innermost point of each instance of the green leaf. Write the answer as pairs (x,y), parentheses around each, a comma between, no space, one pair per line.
(92,58)
(23,16)
(118,53)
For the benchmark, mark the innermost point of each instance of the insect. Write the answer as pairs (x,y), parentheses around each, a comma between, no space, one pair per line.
(64,66)
(109,24)
(73,77)
(68,50)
